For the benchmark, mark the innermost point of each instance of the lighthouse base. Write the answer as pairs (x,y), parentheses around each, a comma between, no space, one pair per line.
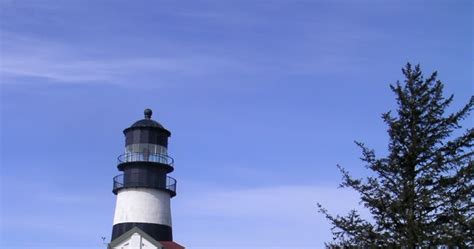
(156,231)
(136,238)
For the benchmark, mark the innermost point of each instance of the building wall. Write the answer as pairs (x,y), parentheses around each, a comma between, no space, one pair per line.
(136,241)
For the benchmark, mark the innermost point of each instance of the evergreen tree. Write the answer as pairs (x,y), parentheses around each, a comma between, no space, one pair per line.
(421,193)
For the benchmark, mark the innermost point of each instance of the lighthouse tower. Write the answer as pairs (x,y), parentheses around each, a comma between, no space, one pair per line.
(144,188)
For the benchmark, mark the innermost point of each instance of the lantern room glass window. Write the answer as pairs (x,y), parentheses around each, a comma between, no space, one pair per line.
(146,148)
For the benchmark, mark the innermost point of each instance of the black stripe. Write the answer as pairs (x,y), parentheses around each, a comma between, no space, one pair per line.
(157,231)
(153,166)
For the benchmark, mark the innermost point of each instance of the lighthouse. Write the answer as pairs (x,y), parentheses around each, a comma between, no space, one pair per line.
(144,189)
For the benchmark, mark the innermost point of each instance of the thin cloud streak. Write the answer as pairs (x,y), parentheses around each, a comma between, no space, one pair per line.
(290,206)
(270,202)
(24,56)
(29,57)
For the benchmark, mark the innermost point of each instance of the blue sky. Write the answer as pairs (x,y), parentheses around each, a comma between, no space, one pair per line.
(263,99)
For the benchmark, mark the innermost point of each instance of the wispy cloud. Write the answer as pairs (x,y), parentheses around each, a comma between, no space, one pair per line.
(292,207)
(271,202)
(26,56)
(29,57)
(52,208)
(84,70)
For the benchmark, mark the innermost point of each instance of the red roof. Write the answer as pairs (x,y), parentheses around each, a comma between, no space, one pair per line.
(171,245)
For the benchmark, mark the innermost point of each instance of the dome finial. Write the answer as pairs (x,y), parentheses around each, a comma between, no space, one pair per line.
(148,113)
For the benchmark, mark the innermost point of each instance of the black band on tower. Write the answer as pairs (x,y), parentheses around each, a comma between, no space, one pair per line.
(157,231)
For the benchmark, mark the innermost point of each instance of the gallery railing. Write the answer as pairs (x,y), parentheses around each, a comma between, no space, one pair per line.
(145,157)
(136,180)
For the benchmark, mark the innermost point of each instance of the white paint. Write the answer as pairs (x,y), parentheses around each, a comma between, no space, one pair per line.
(137,241)
(143,205)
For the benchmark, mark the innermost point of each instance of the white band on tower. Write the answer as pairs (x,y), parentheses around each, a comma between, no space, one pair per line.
(143,205)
